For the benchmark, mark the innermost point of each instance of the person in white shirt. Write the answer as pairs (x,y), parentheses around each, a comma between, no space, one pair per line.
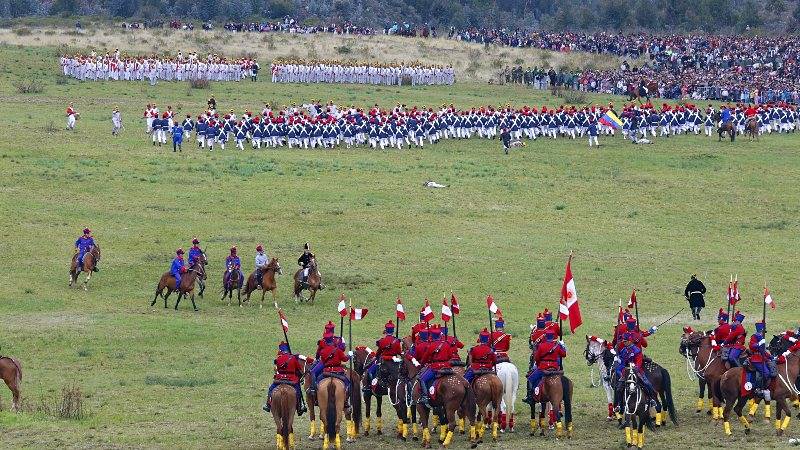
(261,263)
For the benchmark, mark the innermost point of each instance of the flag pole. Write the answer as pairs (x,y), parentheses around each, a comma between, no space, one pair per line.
(453,314)
(764,309)
(730,292)
(636,307)
(396,328)
(285,336)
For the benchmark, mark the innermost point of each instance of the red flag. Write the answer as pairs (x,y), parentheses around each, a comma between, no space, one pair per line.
(342,306)
(454,304)
(768,298)
(632,300)
(569,307)
(733,291)
(493,308)
(446,312)
(358,313)
(401,312)
(284,322)
(426,314)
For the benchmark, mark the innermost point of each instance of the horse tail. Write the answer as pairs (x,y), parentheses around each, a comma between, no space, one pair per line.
(355,402)
(717,389)
(469,402)
(670,405)
(566,387)
(330,411)
(286,414)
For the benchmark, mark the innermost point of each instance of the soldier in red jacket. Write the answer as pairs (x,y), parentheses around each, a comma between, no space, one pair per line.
(761,360)
(500,340)
(734,343)
(438,359)
(288,370)
(550,324)
(482,358)
(332,357)
(547,357)
(722,331)
(389,348)
(329,339)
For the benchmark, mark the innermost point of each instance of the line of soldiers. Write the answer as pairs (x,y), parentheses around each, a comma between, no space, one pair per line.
(353,72)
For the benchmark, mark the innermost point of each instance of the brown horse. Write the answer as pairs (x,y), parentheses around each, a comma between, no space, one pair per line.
(556,388)
(488,392)
(707,365)
(231,282)
(636,405)
(726,128)
(331,396)
(453,393)
(11,373)
(751,129)
(196,272)
(781,389)
(284,405)
(90,260)
(268,283)
(646,91)
(353,413)
(313,283)
(387,383)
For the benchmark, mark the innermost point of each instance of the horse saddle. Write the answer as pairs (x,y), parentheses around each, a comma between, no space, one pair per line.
(751,379)
(458,363)
(339,376)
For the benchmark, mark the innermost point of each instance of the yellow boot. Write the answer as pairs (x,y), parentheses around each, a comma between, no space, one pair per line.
(313,432)
(338,442)
(495,430)
(658,419)
(435,421)
(399,427)
(326,443)
(559,429)
(753,408)
(448,439)
(533,426)
(640,444)
(379,425)
(291,441)
(481,429)
(785,423)
(768,411)
(778,424)
(473,433)
(744,421)
(796,403)
(367,425)
(634,436)
(415,429)
(727,426)
(279,442)
(442,432)
(404,431)
(628,436)
(426,436)
(700,403)
(461,425)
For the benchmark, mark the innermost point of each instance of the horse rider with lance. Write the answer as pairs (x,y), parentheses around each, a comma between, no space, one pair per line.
(501,341)
(733,345)
(720,334)
(234,265)
(762,362)
(547,357)
(482,358)
(438,363)
(83,245)
(694,292)
(288,370)
(178,268)
(632,357)
(389,349)
(261,264)
(329,339)
(332,357)
(638,338)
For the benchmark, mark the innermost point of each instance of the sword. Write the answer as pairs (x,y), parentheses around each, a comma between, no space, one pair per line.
(673,316)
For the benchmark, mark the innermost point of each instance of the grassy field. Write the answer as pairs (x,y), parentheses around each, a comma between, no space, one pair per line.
(642,217)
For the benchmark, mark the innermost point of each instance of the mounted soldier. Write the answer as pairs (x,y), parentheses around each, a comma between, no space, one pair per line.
(547,358)
(261,261)
(288,370)
(482,358)
(83,245)
(733,345)
(329,339)
(762,362)
(500,340)
(388,352)
(438,363)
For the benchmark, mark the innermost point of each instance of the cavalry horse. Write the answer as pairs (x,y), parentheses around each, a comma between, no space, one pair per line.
(509,377)
(284,405)
(751,129)
(451,394)
(90,260)
(645,90)
(353,413)
(196,272)
(231,281)
(331,396)
(555,389)
(11,373)
(598,353)
(313,282)
(783,387)
(723,128)
(488,391)
(268,283)
(706,364)
(662,383)
(386,383)
(636,405)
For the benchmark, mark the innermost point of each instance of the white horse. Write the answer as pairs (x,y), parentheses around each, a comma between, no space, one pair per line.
(598,354)
(509,376)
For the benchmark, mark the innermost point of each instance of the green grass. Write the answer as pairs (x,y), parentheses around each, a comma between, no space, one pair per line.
(642,217)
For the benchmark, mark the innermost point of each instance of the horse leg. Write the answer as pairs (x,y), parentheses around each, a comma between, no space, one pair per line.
(88,277)
(239,295)
(426,432)
(542,412)
(155,297)
(367,411)
(781,405)
(379,414)
(274,299)
(169,292)
(193,303)
(177,302)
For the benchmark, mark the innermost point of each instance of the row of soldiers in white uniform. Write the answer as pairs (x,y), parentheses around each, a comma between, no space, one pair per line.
(401,127)
(111,67)
(284,71)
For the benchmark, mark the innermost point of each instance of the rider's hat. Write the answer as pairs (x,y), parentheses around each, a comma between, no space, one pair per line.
(179,251)
(330,326)
(760,327)
(540,322)
(86,231)
(195,241)
(283,347)
(739,317)
(483,337)
(389,328)
(306,246)
(259,248)
(233,250)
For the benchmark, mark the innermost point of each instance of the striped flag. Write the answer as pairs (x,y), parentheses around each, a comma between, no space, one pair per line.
(733,291)
(358,313)
(569,307)
(342,306)
(632,300)
(426,314)
(493,308)
(401,312)
(454,304)
(284,322)
(768,298)
(610,119)
(447,313)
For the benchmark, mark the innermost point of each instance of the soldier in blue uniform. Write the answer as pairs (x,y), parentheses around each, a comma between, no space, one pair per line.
(177,268)
(83,245)
(233,263)
(177,137)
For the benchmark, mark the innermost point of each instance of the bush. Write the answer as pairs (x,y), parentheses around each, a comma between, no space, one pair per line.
(29,87)
(62,80)
(71,406)
(199,84)
(343,50)
(23,31)
(573,97)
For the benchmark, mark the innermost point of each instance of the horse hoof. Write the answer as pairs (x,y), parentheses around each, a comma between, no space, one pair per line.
(414,438)
(747,431)
(780,432)
(379,433)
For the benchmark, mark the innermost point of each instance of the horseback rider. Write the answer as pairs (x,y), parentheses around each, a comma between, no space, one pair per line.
(194,251)
(720,334)
(329,339)
(455,346)
(631,354)
(261,264)
(761,360)
(288,370)
(501,341)
(178,267)
(389,349)
(549,323)
(438,360)
(332,357)
(424,324)
(694,293)
(537,332)
(482,359)
(620,329)
(547,357)
(304,261)
(733,346)
(83,245)
(234,264)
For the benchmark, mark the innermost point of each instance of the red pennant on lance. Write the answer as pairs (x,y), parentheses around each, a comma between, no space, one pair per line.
(493,308)
(620,318)
(768,298)
(454,304)
(733,291)
(284,322)
(426,314)
(401,312)
(569,307)
(446,312)
(632,300)
(358,313)
(342,306)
